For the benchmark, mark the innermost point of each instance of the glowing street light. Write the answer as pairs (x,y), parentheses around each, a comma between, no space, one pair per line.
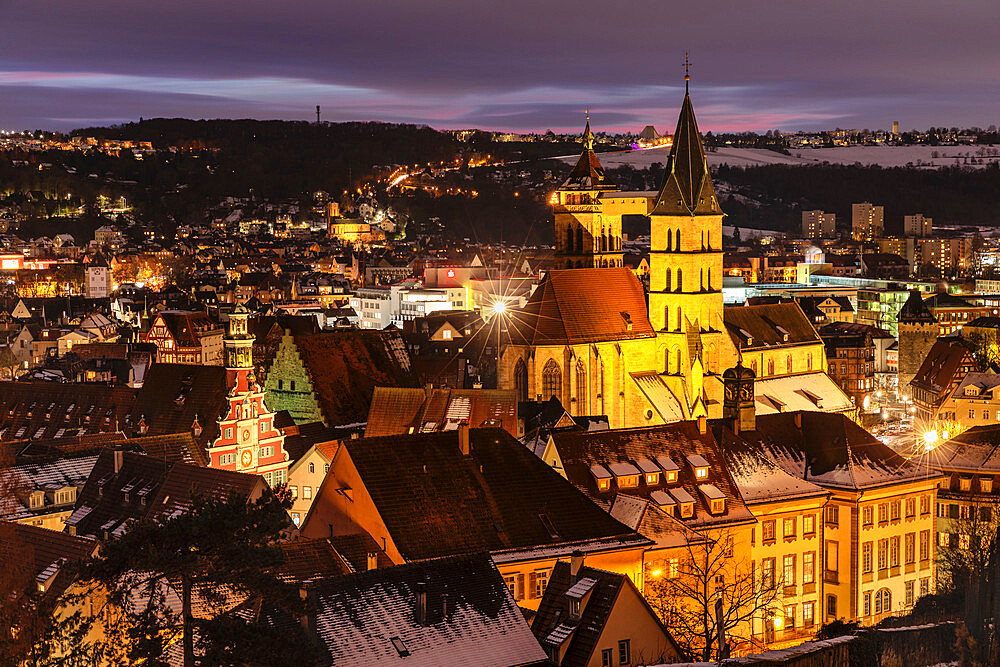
(930,439)
(500,308)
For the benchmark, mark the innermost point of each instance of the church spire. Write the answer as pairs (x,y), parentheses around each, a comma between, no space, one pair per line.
(588,172)
(687,187)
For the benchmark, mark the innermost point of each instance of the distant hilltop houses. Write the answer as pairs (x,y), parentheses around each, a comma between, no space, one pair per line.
(32,143)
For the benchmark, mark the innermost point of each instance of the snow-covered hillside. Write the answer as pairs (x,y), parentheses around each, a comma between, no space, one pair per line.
(926,157)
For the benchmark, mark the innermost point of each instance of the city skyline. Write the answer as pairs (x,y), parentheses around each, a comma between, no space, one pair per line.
(519,67)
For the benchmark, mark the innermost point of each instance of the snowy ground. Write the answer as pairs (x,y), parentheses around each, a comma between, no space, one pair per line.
(886,156)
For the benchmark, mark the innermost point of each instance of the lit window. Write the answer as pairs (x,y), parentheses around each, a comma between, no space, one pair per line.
(307,492)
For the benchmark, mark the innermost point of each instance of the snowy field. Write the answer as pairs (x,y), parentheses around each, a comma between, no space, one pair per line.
(926,157)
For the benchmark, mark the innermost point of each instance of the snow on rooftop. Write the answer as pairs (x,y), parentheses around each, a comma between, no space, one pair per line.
(623,468)
(711,491)
(580,588)
(697,460)
(667,463)
(599,471)
(662,498)
(647,466)
(681,495)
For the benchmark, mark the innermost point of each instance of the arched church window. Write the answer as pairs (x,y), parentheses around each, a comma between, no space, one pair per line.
(581,387)
(710,279)
(678,243)
(670,240)
(680,319)
(551,381)
(669,285)
(521,380)
(680,280)
(600,378)
(770,366)
(679,369)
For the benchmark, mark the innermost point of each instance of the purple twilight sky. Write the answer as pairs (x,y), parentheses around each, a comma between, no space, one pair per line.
(507,65)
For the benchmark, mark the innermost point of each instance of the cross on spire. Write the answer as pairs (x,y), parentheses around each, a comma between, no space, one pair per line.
(687,71)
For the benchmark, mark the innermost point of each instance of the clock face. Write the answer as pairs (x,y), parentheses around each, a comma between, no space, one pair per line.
(746,392)
(246,458)
(731,393)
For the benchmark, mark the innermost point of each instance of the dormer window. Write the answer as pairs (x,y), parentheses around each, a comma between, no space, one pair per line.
(783,333)
(626,474)
(986,484)
(714,498)
(664,501)
(601,476)
(699,466)
(685,500)
(965,483)
(650,471)
(669,469)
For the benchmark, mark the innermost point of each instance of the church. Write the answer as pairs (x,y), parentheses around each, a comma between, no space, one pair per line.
(590,336)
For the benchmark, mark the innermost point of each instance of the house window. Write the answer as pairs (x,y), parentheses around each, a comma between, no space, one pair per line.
(883,601)
(790,617)
(986,484)
(908,587)
(925,586)
(883,554)
(867,516)
(312,468)
(894,551)
(281,384)
(788,571)
(294,490)
(895,510)
(767,573)
(607,657)
(673,568)
(910,548)
(307,492)
(911,507)
(925,504)
(808,567)
(541,581)
(807,614)
(446,334)
(832,515)
(624,652)
(767,529)
(867,606)
(883,513)
(832,557)
(788,527)
(809,524)
(229,433)
(511,581)
(831,605)
(965,483)
(295,518)
(866,558)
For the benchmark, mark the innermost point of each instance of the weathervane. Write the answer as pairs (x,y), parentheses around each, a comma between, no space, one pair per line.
(687,71)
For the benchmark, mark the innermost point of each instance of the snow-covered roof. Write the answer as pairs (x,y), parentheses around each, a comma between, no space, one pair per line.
(815,392)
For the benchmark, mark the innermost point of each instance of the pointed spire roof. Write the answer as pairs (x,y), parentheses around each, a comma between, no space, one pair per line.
(588,174)
(687,188)
(915,310)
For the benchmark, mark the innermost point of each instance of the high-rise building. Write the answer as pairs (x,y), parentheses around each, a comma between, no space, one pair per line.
(895,127)
(818,225)
(867,221)
(917,225)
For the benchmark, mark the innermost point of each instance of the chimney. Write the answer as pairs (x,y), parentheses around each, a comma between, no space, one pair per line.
(463,437)
(372,560)
(798,420)
(575,563)
(307,620)
(702,425)
(444,606)
(420,607)
(119,457)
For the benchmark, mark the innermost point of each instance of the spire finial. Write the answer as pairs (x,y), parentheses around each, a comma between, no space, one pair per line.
(588,136)
(687,71)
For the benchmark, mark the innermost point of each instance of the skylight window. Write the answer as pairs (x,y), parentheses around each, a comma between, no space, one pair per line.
(400,647)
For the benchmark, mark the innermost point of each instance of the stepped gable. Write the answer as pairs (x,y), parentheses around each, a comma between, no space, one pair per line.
(590,305)
(345,367)
(687,186)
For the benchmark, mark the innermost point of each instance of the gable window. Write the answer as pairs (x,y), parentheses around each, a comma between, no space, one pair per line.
(624,652)
(607,656)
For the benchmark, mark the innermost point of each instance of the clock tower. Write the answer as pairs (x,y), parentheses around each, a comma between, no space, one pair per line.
(738,400)
(249,441)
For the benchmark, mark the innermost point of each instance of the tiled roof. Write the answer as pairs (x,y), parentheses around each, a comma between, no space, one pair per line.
(368,618)
(172,395)
(46,552)
(759,479)
(188,327)
(45,410)
(915,309)
(582,306)
(975,450)
(944,364)
(579,451)
(687,185)
(399,410)
(311,560)
(435,501)
(346,366)
(803,391)
(587,174)
(768,326)
(146,487)
(554,624)
(830,450)
(354,549)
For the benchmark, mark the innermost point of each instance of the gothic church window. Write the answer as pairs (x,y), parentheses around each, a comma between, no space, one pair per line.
(551,381)
(581,387)
(521,380)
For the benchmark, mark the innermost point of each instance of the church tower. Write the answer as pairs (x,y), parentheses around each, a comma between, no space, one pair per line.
(585,235)
(685,260)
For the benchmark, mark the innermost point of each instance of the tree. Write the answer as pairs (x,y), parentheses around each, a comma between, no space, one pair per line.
(707,572)
(191,578)
(972,541)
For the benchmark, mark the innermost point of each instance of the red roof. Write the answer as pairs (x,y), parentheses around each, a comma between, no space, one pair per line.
(583,306)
